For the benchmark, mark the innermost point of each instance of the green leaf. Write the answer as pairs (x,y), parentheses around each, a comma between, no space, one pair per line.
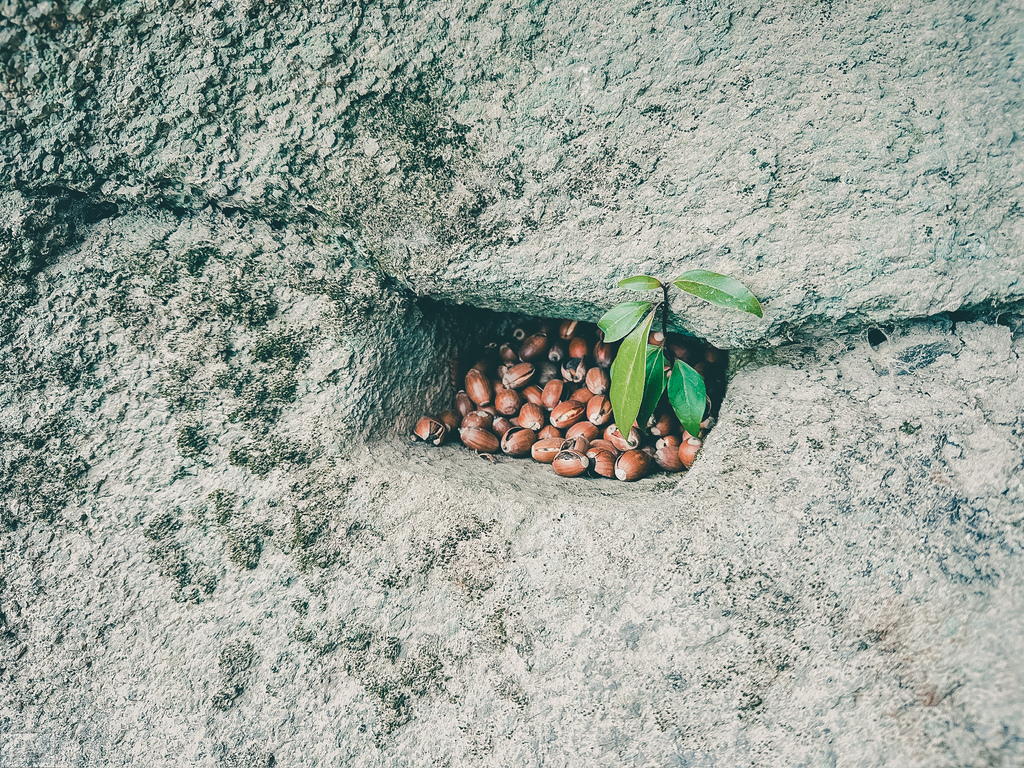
(687,395)
(622,318)
(628,375)
(654,384)
(719,289)
(640,282)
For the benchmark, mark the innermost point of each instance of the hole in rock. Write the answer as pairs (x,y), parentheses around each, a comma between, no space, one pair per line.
(524,387)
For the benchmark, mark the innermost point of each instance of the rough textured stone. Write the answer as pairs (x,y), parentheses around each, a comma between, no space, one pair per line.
(853,162)
(224,232)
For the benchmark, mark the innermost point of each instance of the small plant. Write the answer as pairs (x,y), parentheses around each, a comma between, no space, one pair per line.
(638,372)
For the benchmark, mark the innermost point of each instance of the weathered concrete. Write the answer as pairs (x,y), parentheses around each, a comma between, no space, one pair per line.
(853,162)
(218,547)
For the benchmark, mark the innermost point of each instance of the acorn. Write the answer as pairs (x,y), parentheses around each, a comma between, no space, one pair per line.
(688,449)
(548,371)
(602,461)
(612,435)
(452,419)
(558,352)
(567,329)
(481,419)
(481,365)
(578,347)
(545,450)
(570,463)
(489,409)
(532,416)
(532,394)
(509,354)
(599,410)
(518,375)
(632,465)
(605,445)
(714,356)
(550,432)
(598,381)
(666,454)
(678,347)
(574,370)
(604,354)
(518,441)
(656,338)
(463,404)
(663,424)
(579,443)
(566,414)
(584,429)
(430,430)
(534,347)
(501,426)
(508,402)
(581,395)
(551,395)
(478,388)
(479,439)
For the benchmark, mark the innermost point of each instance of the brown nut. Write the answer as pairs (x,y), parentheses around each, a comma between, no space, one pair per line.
(666,453)
(599,410)
(663,424)
(604,354)
(551,395)
(518,441)
(688,449)
(714,355)
(534,347)
(578,347)
(452,419)
(656,338)
(501,426)
(532,394)
(632,465)
(570,463)
(532,416)
(509,354)
(578,443)
(479,439)
(478,388)
(431,430)
(558,352)
(508,402)
(550,432)
(489,409)
(481,419)
(574,370)
(567,329)
(482,365)
(602,461)
(518,375)
(463,404)
(503,369)
(581,395)
(598,381)
(545,450)
(612,435)
(548,371)
(583,429)
(606,446)
(566,414)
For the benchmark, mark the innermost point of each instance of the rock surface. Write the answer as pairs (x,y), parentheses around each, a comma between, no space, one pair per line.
(854,163)
(224,232)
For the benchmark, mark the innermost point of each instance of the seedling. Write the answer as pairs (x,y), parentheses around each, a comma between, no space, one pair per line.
(638,371)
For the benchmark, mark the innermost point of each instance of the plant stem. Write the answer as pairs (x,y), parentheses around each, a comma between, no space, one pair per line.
(664,322)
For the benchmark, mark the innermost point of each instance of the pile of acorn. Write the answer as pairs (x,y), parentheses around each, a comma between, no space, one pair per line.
(545,394)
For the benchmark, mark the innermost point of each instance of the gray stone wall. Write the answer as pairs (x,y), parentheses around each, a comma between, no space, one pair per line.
(240,244)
